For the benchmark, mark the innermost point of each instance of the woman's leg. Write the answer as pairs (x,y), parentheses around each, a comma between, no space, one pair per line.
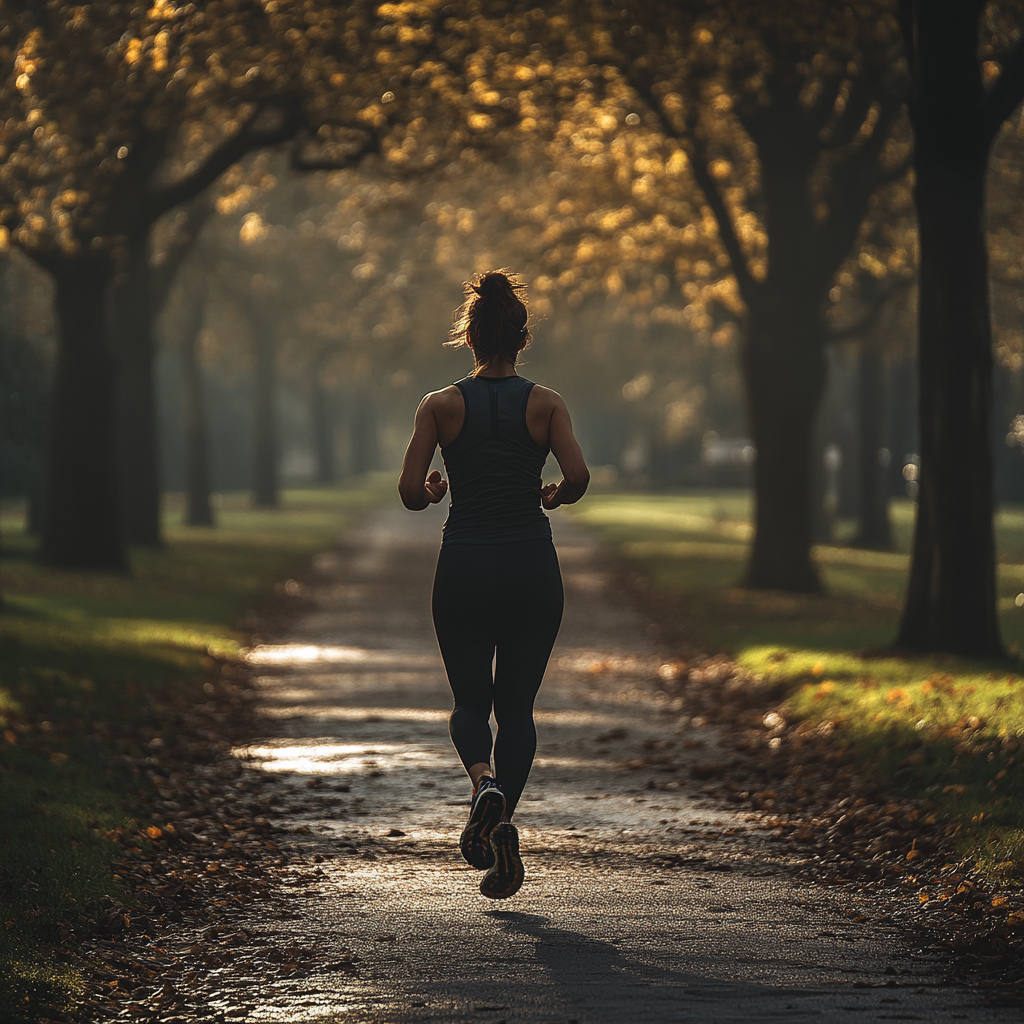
(464,624)
(531,603)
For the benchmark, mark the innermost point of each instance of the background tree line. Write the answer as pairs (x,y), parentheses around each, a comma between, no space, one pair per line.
(708,198)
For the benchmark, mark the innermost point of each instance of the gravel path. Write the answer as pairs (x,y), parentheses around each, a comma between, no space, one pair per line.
(642,902)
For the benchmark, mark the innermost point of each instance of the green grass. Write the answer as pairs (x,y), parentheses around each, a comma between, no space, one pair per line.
(95,665)
(944,728)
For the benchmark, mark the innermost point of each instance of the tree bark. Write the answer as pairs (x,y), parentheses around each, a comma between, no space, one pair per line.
(785,380)
(138,448)
(83,527)
(951,597)
(323,429)
(265,487)
(875,531)
(198,510)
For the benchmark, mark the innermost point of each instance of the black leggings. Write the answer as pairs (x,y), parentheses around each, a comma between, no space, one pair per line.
(504,599)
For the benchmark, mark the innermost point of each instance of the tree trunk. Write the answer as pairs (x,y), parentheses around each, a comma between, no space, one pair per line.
(198,510)
(35,515)
(265,479)
(83,528)
(323,430)
(785,380)
(363,436)
(132,330)
(951,599)
(875,531)
(902,417)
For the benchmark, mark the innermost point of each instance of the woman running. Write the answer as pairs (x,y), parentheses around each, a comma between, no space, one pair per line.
(497,596)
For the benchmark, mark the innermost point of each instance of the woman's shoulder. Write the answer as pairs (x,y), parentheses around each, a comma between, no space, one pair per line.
(444,398)
(545,397)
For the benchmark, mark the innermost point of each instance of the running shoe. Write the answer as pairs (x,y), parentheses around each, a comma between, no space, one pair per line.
(485,812)
(506,876)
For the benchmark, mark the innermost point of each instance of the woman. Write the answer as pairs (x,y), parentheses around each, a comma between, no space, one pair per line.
(497,595)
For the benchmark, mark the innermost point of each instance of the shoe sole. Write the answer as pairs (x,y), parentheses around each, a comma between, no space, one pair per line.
(474,842)
(508,870)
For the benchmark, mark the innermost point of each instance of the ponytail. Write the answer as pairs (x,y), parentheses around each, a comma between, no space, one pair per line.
(494,320)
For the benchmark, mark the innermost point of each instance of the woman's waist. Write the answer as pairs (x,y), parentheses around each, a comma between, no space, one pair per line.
(488,512)
(487,526)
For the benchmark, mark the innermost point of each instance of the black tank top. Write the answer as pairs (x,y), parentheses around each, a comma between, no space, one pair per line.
(494,467)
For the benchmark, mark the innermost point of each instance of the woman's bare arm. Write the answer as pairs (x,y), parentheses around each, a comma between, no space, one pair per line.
(567,452)
(416,489)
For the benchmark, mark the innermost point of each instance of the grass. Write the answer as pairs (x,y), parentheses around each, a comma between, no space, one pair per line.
(942,728)
(95,665)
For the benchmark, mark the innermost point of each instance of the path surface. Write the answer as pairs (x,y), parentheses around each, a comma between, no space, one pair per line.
(641,902)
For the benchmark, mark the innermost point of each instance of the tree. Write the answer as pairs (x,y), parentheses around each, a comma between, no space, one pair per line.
(787,117)
(86,189)
(198,509)
(959,101)
(119,114)
(171,248)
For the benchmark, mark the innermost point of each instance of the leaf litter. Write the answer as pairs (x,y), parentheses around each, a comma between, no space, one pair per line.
(169,951)
(830,816)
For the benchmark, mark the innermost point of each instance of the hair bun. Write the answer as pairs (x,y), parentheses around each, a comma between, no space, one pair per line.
(494,320)
(494,285)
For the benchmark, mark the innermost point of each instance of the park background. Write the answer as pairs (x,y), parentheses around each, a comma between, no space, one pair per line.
(233,239)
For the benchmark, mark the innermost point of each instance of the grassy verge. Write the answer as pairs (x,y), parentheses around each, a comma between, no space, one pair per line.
(942,729)
(95,666)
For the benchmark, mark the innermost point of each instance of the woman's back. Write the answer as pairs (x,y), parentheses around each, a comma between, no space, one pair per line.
(494,466)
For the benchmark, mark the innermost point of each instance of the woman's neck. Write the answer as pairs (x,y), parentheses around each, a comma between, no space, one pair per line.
(502,369)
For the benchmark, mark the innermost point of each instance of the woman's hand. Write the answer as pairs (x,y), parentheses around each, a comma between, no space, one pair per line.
(434,487)
(549,496)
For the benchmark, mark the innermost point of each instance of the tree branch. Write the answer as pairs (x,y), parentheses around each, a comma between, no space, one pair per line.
(1006,93)
(228,153)
(299,162)
(748,284)
(855,180)
(867,320)
(163,274)
(818,116)
(847,124)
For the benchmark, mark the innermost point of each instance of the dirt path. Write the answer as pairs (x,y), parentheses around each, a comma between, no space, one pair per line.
(642,902)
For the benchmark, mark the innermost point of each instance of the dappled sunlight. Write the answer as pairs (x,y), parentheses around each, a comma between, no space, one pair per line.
(333,712)
(304,654)
(727,517)
(319,756)
(300,656)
